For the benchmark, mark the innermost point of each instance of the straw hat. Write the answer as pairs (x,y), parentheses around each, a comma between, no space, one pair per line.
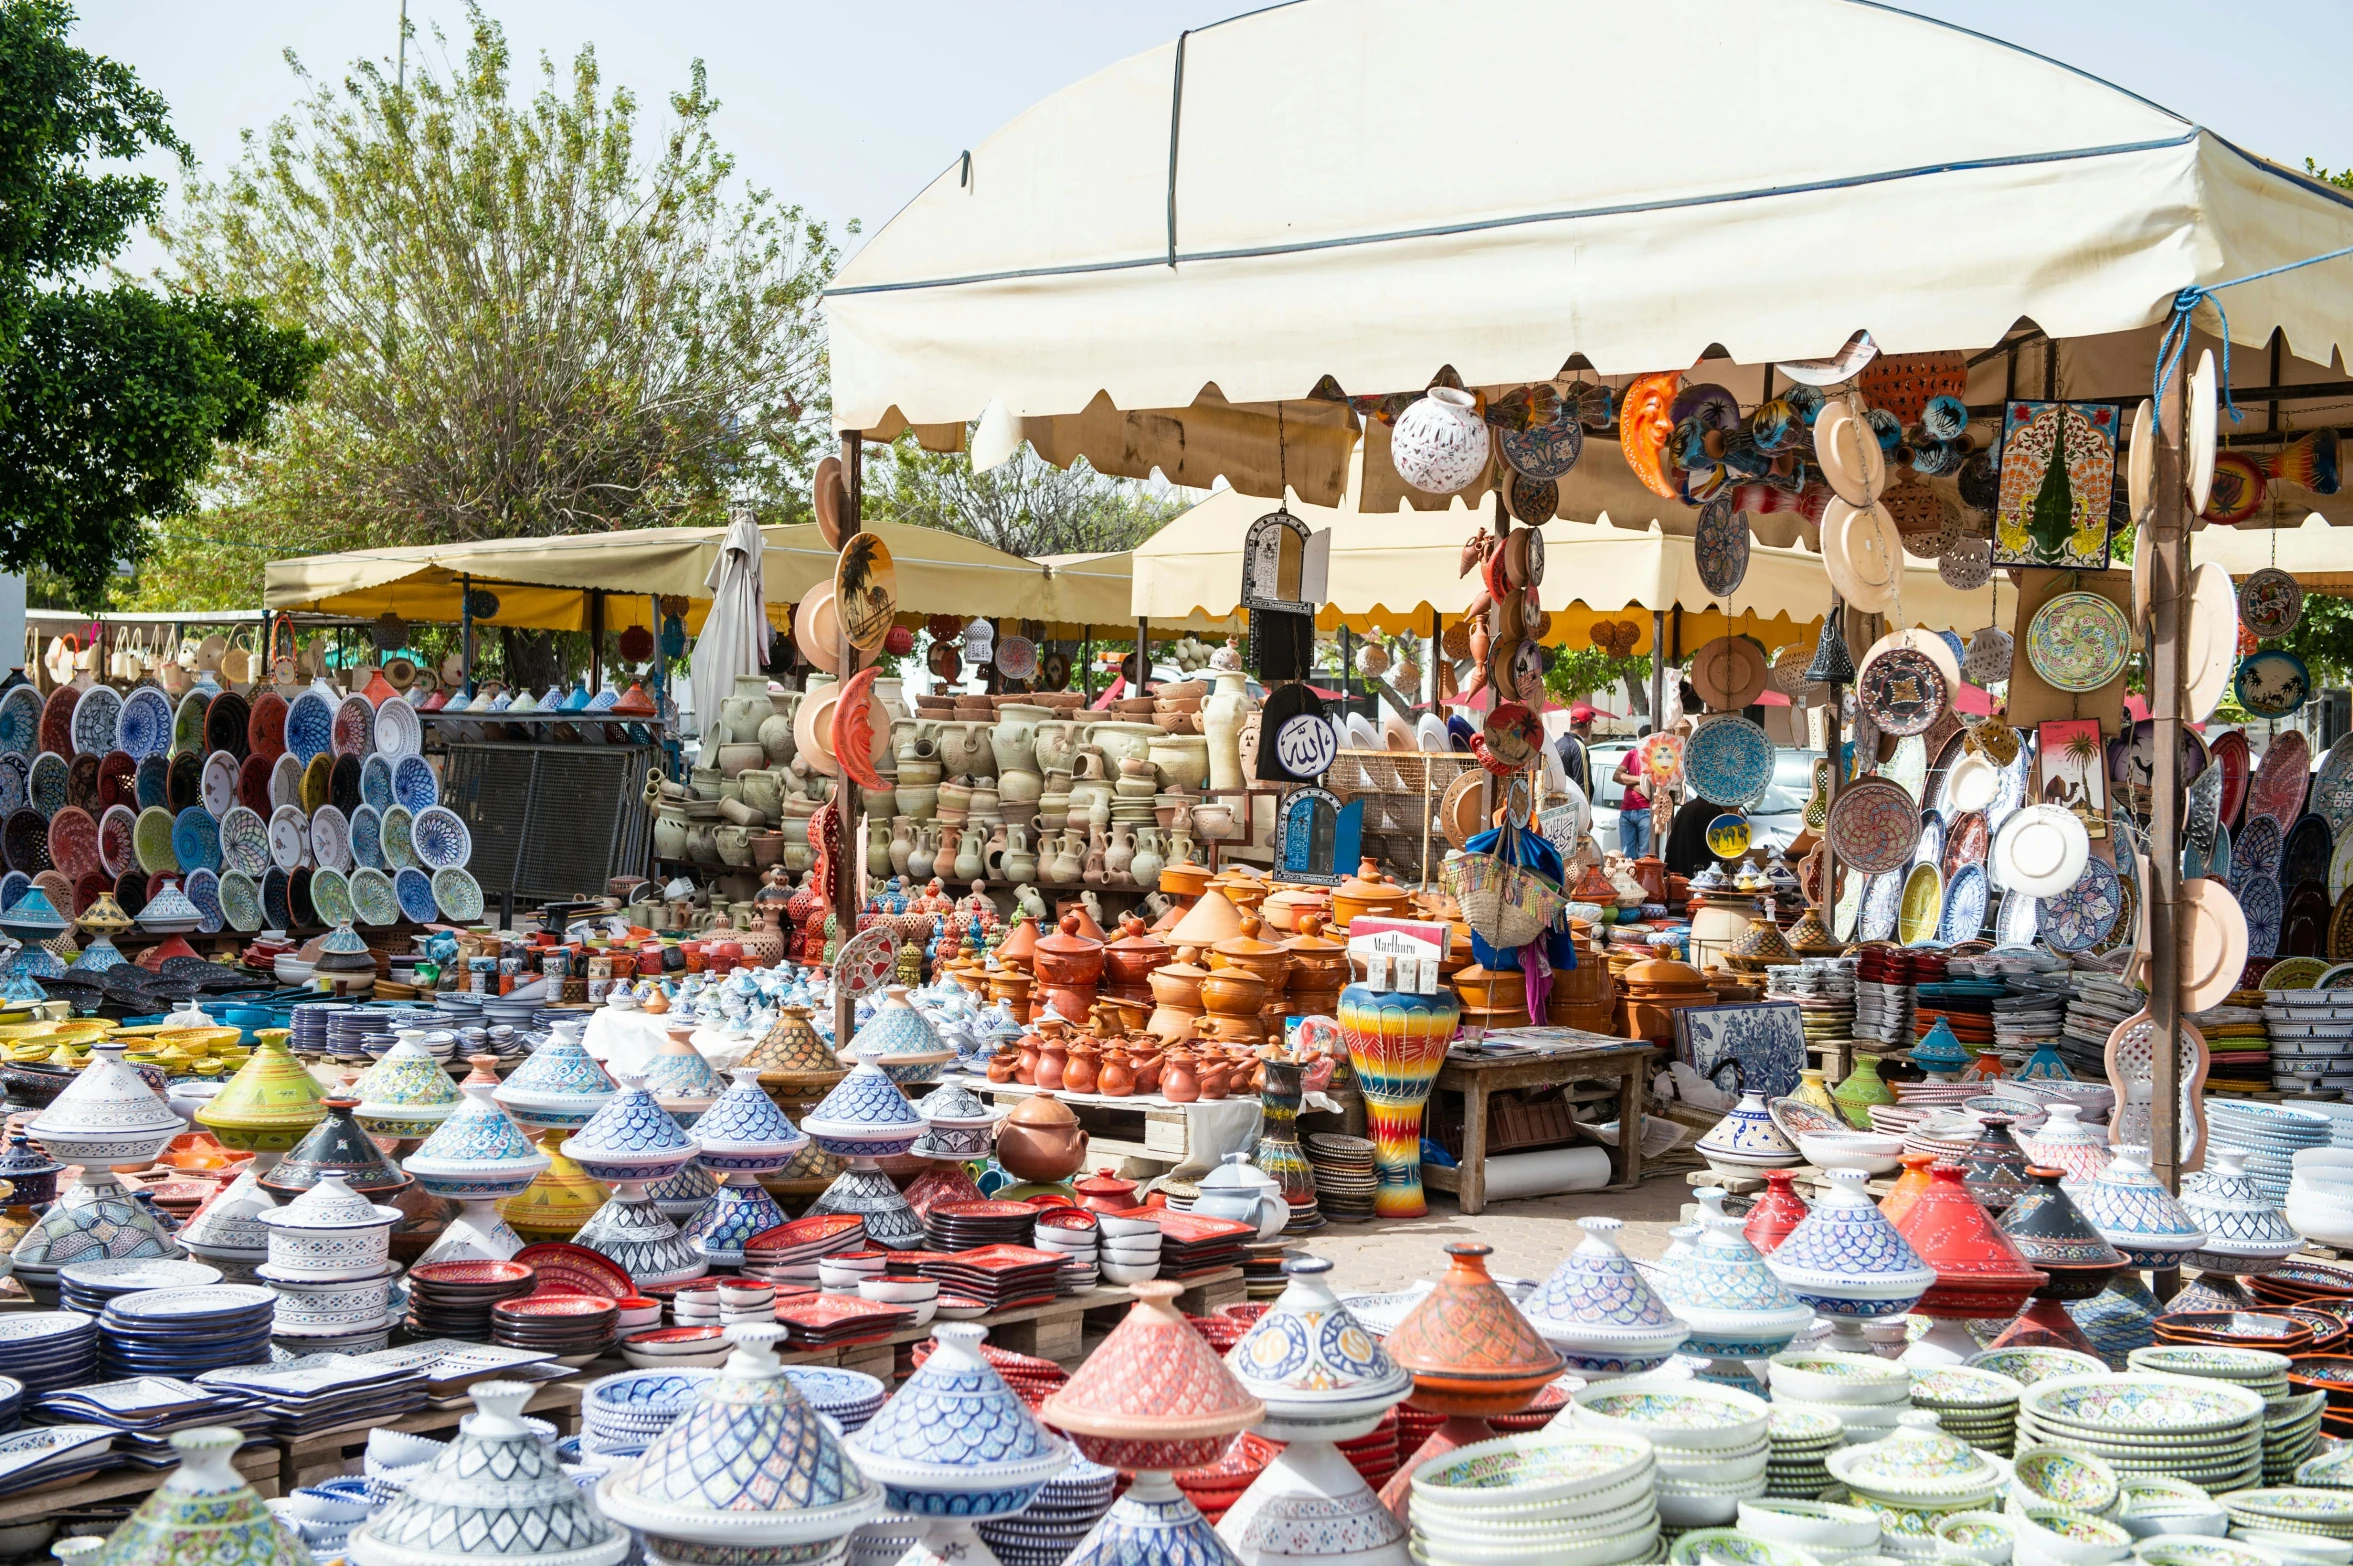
(1729,673)
(1848,449)
(2210,654)
(1862,553)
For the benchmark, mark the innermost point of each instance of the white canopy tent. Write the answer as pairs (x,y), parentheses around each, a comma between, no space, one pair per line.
(1137,268)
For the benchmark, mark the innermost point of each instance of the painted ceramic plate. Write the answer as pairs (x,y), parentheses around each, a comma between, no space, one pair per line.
(2270,602)
(354,733)
(144,726)
(1727,836)
(399,852)
(2080,917)
(151,841)
(1719,546)
(2306,851)
(2332,786)
(1903,690)
(1729,760)
(2256,851)
(1922,903)
(440,839)
(865,590)
(196,839)
(203,888)
(367,837)
(20,720)
(2018,920)
(117,828)
(2078,641)
(1965,897)
(2229,752)
(310,726)
(414,889)
(330,839)
(1872,826)
(48,783)
(1543,451)
(2272,683)
(1907,766)
(398,731)
(372,898)
(94,720)
(1930,848)
(2261,905)
(457,896)
(2281,778)
(1883,901)
(241,901)
(245,841)
(217,787)
(289,836)
(330,894)
(1965,843)
(414,785)
(375,782)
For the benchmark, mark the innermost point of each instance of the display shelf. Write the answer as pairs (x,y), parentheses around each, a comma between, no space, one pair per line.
(258,1464)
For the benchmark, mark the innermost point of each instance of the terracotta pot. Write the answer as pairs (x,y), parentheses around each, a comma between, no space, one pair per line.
(1040,1141)
(1053,1057)
(1079,1072)
(1068,960)
(1369,892)
(1117,1079)
(1178,1084)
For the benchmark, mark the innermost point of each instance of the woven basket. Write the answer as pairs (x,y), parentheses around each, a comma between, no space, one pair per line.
(1504,904)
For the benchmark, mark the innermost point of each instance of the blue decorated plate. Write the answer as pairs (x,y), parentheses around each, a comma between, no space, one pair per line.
(373,900)
(414,785)
(367,837)
(1964,906)
(310,726)
(440,839)
(203,888)
(2080,917)
(240,901)
(1728,760)
(457,896)
(144,726)
(20,720)
(375,781)
(414,889)
(196,839)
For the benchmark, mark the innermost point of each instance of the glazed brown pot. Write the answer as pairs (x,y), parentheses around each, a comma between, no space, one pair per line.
(1233,992)
(1041,1141)
(1067,960)
(1128,962)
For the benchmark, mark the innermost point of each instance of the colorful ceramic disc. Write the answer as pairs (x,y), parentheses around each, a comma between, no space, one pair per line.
(2078,641)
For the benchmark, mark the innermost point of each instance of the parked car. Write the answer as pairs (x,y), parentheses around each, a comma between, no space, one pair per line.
(1776,817)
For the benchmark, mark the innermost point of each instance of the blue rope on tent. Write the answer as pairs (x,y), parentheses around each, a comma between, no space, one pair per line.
(2176,340)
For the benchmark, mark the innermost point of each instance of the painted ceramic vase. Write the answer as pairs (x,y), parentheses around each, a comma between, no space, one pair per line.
(2135,1213)
(203,1514)
(1979,1272)
(1777,1212)
(1599,1313)
(750,1469)
(1811,1089)
(479,1153)
(956,1442)
(1847,1260)
(640,1239)
(1396,1043)
(1859,1089)
(1278,1151)
(337,1146)
(2053,1234)
(496,1493)
(1153,1395)
(631,1138)
(268,1106)
(1720,1288)
(1747,1138)
(558,1089)
(407,1093)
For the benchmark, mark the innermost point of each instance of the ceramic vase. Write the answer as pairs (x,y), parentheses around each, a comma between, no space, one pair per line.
(1859,1089)
(1278,1152)
(1396,1043)
(1222,712)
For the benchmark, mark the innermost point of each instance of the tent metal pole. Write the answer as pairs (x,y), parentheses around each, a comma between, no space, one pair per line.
(1086,665)
(1143,656)
(1430,664)
(466,631)
(847,894)
(596,640)
(2167,534)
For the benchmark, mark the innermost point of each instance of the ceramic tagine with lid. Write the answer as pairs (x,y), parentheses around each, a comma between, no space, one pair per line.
(337,1146)
(864,1118)
(203,1514)
(2065,1143)
(2135,1213)
(1599,1312)
(227,1229)
(1777,1212)
(1993,1166)
(497,1493)
(631,1138)
(792,1058)
(641,1239)
(407,1093)
(1847,1260)
(94,1219)
(478,1153)
(680,1078)
(1719,1286)
(1939,1052)
(1748,1138)
(1152,1397)
(107,1117)
(328,1233)
(2054,1236)
(749,1475)
(558,1088)
(1979,1272)
(1324,1378)
(269,1105)
(901,1040)
(957,1124)
(31,1174)
(1914,1476)
(1472,1354)
(955,1445)
(2245,1231)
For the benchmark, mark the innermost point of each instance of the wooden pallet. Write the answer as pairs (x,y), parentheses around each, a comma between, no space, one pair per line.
(1150,1132)
(328,1454)
(127,1486)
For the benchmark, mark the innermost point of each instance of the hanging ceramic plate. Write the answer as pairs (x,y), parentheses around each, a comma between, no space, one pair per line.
(440,838)
(1848,452)
(1907,766)
(1729,673)
(2019,918)
(2272,683)
(865,590)
(2041,849)
(2218,862)
(2217,944)
(2080,917)
(310,725)
(1719,546)
(2294,973)
(2270,602)
(1965,843)
(144,726)
(2140,475)
(2078,641)
(2256,851)
(414,889)
(1531,501)
(330,842)
(2306,852)
(2261,905)
(372,898)
(1973,783)
(1964,907)
(330,894)
(367,837)
(2201,419)
(1883,900)
(1921,906)
(289,836)
(117,829)
(1930,849)
(2332,785)
(1728,836)
(2210,653)
(2127,926)
(1903,690)
(196,839)
(2340,932)
(245,841)
(240,901)
(1543,451)
(95,717)
(2281,778)
(1873,825)
(20,720)
(1863,554)
(2229,752)
(2340,866)
(398,730)
(1728,760)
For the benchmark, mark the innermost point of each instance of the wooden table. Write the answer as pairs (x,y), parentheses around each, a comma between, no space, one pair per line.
(1477,1076)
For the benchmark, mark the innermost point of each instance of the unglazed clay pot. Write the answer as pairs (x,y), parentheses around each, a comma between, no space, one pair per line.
(1040,1141)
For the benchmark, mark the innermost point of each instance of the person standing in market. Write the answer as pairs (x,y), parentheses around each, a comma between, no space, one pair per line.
(1633,805)
(1572,747)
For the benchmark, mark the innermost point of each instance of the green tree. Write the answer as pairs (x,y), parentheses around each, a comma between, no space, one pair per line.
(1026,506)
(1576,671)
(2051,521)
(541,323)
(113,401)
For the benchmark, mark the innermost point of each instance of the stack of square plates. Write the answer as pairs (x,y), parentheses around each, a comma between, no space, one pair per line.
(51,1454)
(999,1276)
(826,1320)
(147,1409)
(316,1392)
(789,1253)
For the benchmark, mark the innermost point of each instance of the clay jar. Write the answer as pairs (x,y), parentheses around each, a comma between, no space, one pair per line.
(1319,969)
(1068,965)
(1080,1071)
(1370,892)
(1270,962)
(1233,1000)
(1176,992)
(1178,1084)
(1128,962)
(1105,1192)
(1117,1079)
(1040,1141)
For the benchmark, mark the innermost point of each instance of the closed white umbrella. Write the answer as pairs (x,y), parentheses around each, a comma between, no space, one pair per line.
(735,635)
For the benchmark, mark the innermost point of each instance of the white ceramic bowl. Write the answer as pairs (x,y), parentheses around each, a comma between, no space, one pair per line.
(1122,1272)
(1825,1376)
(1116,1225)
(1864,1150)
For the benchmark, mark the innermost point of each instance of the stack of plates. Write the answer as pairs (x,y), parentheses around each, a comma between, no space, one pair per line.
(1976,1406)
(827,1320)
(2325,1513)
(313,1025)
(1191,1244)
(48,1349)
(2291,1417)
(147,1409)
(1709,1443)
(1862,1392)
(453,1299)
(1564,1494)
(1374,1455)
(2291,1434)
(1262,1268)
(620,1414)
(850,1397)
(1824,990)
(309,1393)
(12,1403)
(1798,1444)
(1344,1176)
(576,1328)
(2310,1035)
(1000,1276)
(1045,1532)
(88,1286)
(185,1332)
(789,1253)
(968,1226)
(2207,1432)
(2269,1134)
(30,1459)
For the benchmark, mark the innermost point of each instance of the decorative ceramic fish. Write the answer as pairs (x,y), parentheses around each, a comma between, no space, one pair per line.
(2308,462)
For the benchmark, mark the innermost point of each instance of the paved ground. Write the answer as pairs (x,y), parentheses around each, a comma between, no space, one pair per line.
(1529,1237)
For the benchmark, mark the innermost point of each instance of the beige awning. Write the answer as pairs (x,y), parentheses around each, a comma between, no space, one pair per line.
(1137,268)
(2309,551)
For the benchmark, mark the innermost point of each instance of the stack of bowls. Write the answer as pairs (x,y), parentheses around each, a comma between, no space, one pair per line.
(2269,1134)
(1797,1443)
(2055,1476)
(1915,1478)
(2026,1366)
(1831,1534)
(2208,1432)
(2150,1504)
(1861,1391)
(620,1414)
(1050,1527)
(1979,1406)
(1709,1442)
(1071,1233)
(1129,1248)
(576,1328)
(847,1397)
(2062,1536)
(1559,1495)
(2291,1411)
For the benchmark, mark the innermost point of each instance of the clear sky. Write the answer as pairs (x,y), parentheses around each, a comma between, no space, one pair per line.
(849,109)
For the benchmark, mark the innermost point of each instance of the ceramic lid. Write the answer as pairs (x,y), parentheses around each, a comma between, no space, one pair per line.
(1042,1109)
(169,906)
(479,1134)
(1134,936)
(1235,1172)
(1067,941)
(1211,919)
(271,1088)
(1308,1354)
(35,915)
(105,1098)
(1468,1329)
(1246,943)
(561,1067)
(954,1425)
(630,1125)
(1719,1271)
(678,1075)
(1595,1295)
(746,1118)
(406,1078)
(1021,943)
(330,1204)
(495,1493)
(863,1103)
(751,1463)
(1846,1242)
(900,1033)
(337,1146)
(2051,1231)
(954,1104)
(2132,1210)
(1153,1378)
(1956,1235)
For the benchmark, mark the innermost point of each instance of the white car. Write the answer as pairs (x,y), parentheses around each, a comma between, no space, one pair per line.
(1777,817)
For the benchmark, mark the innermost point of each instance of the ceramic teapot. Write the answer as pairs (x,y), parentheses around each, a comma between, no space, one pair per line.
(1239,1190)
